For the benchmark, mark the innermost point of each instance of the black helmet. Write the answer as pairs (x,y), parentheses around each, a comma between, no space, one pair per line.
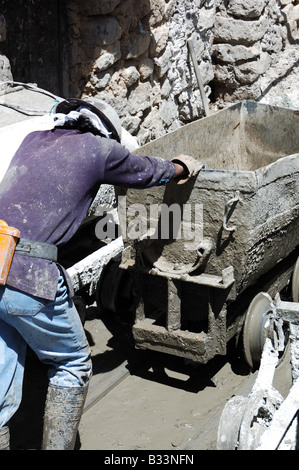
(99,107)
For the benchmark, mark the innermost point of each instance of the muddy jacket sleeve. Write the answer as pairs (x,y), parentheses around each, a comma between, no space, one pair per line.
(134,171)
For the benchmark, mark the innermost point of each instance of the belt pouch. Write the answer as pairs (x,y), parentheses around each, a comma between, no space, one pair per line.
(8,241)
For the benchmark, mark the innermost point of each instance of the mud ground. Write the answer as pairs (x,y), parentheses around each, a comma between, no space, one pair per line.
(140,400)
(166,403)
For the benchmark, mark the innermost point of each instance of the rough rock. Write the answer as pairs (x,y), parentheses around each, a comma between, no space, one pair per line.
(134,54)
(236,31)
(248,9)
(5,70)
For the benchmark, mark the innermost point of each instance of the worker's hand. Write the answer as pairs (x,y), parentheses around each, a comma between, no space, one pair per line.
(189,167)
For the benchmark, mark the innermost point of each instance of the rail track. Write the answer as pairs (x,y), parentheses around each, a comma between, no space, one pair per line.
(145,400)
(141,400)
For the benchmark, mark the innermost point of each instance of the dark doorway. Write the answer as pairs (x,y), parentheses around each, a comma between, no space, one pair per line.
(36,43)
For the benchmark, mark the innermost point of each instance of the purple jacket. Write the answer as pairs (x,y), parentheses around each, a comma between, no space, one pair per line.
(49,186)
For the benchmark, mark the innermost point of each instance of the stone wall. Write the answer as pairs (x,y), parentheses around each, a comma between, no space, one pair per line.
(249,39)
(134,54)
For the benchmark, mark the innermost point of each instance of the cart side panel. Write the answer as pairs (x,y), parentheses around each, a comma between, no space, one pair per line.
(213,140)
(261,223)
(269,133)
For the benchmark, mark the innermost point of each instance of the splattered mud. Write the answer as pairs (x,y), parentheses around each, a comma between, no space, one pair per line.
(162,402)
(141,400)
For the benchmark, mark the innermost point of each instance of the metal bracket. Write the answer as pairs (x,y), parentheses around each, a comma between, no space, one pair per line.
(229,206)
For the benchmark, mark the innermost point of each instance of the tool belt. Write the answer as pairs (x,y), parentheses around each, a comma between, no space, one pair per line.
(11,242)
(36,249)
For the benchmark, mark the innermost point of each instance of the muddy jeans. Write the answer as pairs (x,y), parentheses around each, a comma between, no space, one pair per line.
(53,330)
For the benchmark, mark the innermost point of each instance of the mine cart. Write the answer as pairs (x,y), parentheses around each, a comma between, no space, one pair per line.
(198,255)
(196,263)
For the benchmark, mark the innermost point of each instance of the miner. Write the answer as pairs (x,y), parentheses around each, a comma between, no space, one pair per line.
(44,196)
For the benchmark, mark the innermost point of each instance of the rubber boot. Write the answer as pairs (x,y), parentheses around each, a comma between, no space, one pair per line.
(63,411)
(4,438)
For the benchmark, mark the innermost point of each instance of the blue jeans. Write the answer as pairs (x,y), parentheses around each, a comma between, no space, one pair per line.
(53,330)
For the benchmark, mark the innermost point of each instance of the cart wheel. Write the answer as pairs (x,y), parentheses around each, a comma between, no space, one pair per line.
(114,292)
(81,307)
(254,334)
(295,282)
(108,290)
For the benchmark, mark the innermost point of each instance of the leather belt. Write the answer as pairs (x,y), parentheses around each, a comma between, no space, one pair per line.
(36,249)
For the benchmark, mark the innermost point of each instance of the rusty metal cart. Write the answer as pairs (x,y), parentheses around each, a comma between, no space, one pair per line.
(237,236)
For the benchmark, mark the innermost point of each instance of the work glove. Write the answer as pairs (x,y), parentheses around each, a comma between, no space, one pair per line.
(192,167)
